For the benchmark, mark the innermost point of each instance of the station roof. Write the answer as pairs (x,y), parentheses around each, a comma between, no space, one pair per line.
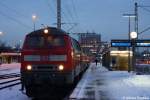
(10,54)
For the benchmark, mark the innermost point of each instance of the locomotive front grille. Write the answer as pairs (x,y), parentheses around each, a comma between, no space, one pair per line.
(45,67)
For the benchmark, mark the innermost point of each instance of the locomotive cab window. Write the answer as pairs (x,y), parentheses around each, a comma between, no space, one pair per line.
(35,41)
(53,41)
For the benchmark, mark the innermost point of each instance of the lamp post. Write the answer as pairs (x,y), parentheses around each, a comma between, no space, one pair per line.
(129,16)
(133,38)
(34,17)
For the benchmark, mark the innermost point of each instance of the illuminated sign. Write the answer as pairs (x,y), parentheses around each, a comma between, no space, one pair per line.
(121,44)
(128,43)
(142,43)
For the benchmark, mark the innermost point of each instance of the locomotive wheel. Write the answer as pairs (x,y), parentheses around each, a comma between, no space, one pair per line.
(30,91)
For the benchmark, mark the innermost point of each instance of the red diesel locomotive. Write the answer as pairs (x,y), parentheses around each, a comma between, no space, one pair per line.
(50,57)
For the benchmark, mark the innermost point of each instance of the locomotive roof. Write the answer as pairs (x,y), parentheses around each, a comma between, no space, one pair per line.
(51,30)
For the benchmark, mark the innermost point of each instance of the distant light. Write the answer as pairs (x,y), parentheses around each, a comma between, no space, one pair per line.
(101,57)
(1,33)
(45,31)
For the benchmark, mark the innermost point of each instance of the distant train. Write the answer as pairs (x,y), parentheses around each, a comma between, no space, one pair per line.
(50,57)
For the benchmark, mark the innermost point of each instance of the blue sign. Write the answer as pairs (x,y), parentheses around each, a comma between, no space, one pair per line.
(121,44)
(128,43)
(143,44)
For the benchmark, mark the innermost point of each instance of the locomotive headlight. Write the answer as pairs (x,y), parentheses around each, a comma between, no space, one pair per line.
(29,67)
(45,31)
(61,67)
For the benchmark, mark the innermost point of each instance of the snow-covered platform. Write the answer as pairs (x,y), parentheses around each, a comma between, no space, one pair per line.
(100,84)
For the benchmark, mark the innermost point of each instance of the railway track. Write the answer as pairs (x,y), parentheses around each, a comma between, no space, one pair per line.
(9,80)
(11,75)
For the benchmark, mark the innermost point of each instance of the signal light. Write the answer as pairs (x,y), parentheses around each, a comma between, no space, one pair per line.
(61,67)
(29,67)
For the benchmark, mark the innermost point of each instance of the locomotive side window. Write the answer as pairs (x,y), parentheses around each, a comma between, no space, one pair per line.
(55,41)
(35,41)
(76,45)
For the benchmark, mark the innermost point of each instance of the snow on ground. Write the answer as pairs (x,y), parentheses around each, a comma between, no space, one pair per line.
(12,93)
(100,84)
(9,68)
(11,65)
(96,84)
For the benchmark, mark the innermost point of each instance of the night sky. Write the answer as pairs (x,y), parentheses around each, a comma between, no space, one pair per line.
(100,16)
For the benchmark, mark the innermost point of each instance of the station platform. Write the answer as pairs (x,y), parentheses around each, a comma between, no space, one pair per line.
(89,86)
(98,83)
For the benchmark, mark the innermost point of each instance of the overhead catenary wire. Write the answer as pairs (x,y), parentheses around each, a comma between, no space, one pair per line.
(145,9)
(148,10)
(51,8)
(76,15)
(74,9)
(66,16)
(145,30)
(66,19)
(68,10)
(15,20)
(13,10)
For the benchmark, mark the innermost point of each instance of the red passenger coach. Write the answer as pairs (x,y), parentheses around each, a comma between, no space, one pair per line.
(50,57)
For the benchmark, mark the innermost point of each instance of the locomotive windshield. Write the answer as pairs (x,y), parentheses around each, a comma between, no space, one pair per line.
(46,42)
(35,41)
(55,41)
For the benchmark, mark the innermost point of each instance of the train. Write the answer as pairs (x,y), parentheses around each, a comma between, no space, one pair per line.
(50,57)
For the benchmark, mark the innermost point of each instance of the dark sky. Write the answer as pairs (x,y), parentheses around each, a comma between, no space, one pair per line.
(100,16)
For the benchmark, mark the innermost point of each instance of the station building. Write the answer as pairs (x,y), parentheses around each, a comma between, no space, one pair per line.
(90,43)
(10,57)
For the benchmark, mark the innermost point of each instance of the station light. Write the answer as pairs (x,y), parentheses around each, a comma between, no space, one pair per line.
(121,53)
(133,35)
(34,17)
